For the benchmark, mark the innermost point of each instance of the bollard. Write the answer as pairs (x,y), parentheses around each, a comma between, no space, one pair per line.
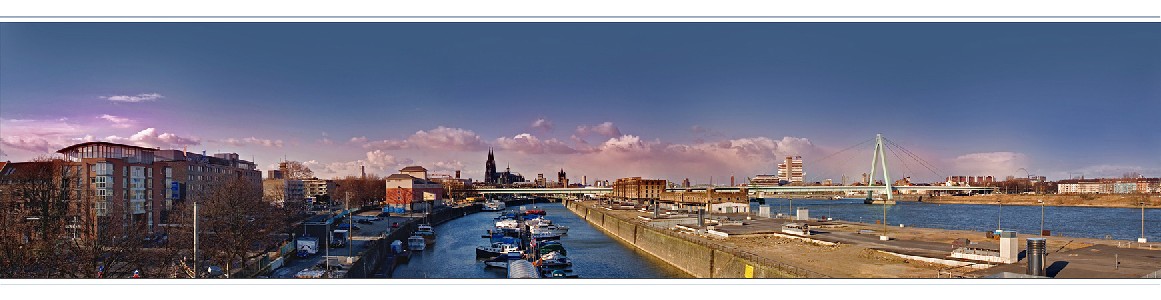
(1036,250)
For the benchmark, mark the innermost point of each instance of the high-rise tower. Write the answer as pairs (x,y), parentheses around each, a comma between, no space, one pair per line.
(490,169)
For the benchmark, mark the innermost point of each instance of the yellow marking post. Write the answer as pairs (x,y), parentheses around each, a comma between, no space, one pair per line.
(749,271)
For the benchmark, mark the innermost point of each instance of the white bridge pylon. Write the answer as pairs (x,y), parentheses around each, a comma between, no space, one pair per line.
(881,158)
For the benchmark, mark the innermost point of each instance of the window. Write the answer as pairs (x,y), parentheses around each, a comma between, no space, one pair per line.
(101,208)
(101,182)
(103,168)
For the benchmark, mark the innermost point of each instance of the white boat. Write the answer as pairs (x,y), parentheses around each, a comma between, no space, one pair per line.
(502,260)
(546,226)
(796,228)
(416,243)
(493,205)
(497,249)
(546,236)
(508,224)
(426,232)
(554,259)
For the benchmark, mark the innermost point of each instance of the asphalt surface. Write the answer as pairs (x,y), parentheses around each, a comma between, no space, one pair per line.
(361,239)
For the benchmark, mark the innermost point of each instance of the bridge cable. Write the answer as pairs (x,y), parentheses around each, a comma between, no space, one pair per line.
(922,162)
(904,162)
(819,161)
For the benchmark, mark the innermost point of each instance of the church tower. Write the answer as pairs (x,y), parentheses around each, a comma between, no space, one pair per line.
(490,169)
(562,178)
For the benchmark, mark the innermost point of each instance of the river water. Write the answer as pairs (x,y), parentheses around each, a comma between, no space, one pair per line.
(594,253)
(1088,222)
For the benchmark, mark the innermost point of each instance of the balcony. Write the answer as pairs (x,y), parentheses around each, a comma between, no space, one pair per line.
(137,206)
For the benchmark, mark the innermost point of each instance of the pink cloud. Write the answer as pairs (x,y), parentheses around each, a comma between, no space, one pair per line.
(440,138)
(447,138)
(31,144)
(527,143)
(252,141)
(376,162)
(37,136)
(989,163)
(606,129)
(150,137)
(542,124)
(385,145)
(358,139)
(134,98)
(118,122)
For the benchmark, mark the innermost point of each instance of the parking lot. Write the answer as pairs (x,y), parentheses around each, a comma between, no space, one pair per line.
(360,240)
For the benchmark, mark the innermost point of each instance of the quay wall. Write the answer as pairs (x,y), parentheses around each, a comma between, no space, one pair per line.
(699,258)
(379,251)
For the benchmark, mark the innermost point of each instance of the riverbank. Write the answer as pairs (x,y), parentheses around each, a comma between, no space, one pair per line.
(1086,200)
(836,249)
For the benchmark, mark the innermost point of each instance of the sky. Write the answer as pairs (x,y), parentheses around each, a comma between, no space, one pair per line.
(603,100)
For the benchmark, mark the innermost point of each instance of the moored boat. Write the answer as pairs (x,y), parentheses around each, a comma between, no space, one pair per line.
(416,243)
(427,233)
(497,249)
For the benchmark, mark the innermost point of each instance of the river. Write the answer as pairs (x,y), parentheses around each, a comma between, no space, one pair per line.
(594,253)
(1088,222)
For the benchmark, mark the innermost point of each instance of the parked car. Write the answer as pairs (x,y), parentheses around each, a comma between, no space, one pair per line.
(395,225)
(346,226)
(364,221)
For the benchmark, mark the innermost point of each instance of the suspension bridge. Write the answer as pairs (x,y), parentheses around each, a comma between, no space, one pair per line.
(878,161)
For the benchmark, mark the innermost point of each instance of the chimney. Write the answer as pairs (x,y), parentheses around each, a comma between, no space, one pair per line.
(363,170)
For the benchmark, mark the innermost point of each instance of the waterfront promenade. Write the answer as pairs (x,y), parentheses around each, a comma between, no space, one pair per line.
(849,249)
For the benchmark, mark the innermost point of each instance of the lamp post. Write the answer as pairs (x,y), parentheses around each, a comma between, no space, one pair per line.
(1142,239)
(998,213)
(1041,217)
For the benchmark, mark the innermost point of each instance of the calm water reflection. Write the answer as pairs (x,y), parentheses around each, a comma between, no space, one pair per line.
(594,253)
(1089,222)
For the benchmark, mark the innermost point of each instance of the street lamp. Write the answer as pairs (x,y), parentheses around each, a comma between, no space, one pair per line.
(1142,239)
(1041,217)
(998,213)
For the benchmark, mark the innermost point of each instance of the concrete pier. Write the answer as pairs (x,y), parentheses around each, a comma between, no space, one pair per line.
(696,257)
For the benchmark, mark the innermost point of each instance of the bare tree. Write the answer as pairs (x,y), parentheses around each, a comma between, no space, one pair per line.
(235,225)
(297,170)
(363,191)
(54,226)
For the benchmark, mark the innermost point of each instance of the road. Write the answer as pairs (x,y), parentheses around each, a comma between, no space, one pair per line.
(359,242)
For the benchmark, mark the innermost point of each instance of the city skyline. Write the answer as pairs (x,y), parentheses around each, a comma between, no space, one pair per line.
(659,100)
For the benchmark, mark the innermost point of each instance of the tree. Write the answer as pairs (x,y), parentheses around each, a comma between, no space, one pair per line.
(235,224)
(363,191)
(55,226)
(297,170)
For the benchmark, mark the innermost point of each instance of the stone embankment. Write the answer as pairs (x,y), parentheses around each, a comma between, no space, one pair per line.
(694,256)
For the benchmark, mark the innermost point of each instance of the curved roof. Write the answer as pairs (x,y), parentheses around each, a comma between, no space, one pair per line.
(66,149)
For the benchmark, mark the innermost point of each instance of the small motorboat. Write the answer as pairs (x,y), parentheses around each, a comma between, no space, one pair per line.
(502,260)
(497,249)
(427,233)
(493,205)
(416,243)
(546,236)
(553,259)
(546,226)
(508,224)
(536,212)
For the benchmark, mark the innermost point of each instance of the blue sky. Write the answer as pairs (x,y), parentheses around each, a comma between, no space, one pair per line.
(675,99)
